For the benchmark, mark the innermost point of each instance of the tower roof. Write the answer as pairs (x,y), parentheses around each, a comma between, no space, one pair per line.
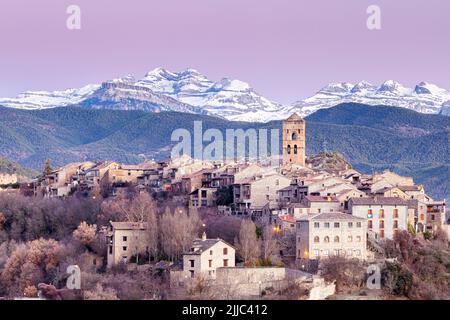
(294,117)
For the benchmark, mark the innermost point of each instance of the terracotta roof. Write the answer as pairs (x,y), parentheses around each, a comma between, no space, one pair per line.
(322,198)
(287,218)
(379,201)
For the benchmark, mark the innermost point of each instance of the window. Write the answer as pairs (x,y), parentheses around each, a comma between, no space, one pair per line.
(225,262)
(210,252)
(357,253)
(395,213)
(336,239)
(289,149)
(422,216)
(369,214)
(326,239)
(358,238)
(318,210)
(349,239)
(358,224)
(277,182)
(381,213)
(267,197)
(210,263)
(316,225)
(294,136)
(316,239)
(110,249)
(381,224)
(350,224)
(203,193)
(124,248)
(124,238)
(316,253)
(192,273)
(336,224)
(295,149)
(395,224)
(336,252)
(369,224)
(225,251)
(349,253)
(381,234)
(325,253)
(192,263)
(327,225)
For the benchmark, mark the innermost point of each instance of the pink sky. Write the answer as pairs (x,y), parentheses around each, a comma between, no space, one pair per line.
(286,50)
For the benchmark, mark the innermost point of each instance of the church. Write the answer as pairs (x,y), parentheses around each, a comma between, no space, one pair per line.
(294,141)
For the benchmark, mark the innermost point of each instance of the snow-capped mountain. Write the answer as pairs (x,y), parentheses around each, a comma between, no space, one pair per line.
(424,98)
(190,91)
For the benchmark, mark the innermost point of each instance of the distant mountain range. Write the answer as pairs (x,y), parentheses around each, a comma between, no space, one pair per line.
(371,138)
(191,92)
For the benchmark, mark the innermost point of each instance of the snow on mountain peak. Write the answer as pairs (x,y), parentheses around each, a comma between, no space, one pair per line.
(338,87)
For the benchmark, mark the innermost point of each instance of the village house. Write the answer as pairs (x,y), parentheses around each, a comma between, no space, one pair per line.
(331,234)
(295,192)
(125,240)
(202,197)
(206,255)
(345,195)
(319,204)
(386,216)
(255,193)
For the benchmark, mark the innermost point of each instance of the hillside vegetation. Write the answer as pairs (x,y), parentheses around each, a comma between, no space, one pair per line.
(370,138)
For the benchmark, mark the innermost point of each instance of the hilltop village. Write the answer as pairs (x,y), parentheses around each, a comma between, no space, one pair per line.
(301,214)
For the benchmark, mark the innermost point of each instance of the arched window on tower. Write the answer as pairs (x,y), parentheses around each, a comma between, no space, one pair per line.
(295,149)
(289,149)
(294,136)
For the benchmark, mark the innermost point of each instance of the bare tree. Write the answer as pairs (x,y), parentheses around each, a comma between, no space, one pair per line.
(270,246)
(247,244)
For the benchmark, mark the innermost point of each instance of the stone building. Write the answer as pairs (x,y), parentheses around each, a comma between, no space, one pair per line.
(294,137)
(125,240)
(331,234)
(386,216)
(206,255)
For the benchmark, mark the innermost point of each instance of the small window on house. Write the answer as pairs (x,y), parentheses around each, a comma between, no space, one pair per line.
(210,263)
(225,251)
(192,273)
(192,263)
(316,239)
(336,239)
(358,238)
(326,239)
(125,239)
(210,252)
(325,253)
(381,213)
(369,224)
(381,224)
(316,225)
(225,262)
(395,213)
(382,234)
(295,149)
(358,225)
(357,253)
(277,182)
(316,253)
(337,225)
(395,224)
(349,239)
(326,224)
(350,224)
(289,149)
(110,249)
(124,248)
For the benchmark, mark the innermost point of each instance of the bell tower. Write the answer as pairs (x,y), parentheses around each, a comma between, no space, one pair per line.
(294,140)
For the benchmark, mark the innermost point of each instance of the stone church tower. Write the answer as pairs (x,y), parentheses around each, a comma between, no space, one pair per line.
(294,138)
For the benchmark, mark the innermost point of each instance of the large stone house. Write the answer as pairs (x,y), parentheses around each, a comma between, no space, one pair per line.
(206,255)
(386,216)
(125,240)
(331,234)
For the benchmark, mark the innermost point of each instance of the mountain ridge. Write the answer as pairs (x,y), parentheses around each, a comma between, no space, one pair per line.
(190,91)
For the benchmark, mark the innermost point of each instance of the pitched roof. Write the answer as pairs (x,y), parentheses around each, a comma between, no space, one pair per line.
(199,245)
(331,216)
(294,117)
(410,188)
(322,198)
(287,218)
(379,201)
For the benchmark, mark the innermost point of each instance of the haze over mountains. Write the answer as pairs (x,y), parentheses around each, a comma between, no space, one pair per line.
(191,92)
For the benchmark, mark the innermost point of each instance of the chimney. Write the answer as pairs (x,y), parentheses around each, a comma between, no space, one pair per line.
(204,236)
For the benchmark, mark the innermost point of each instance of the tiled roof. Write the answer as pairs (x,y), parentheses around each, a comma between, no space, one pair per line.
(129,225)
(332,216)
(199,246)
(379,201)
(321,198)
